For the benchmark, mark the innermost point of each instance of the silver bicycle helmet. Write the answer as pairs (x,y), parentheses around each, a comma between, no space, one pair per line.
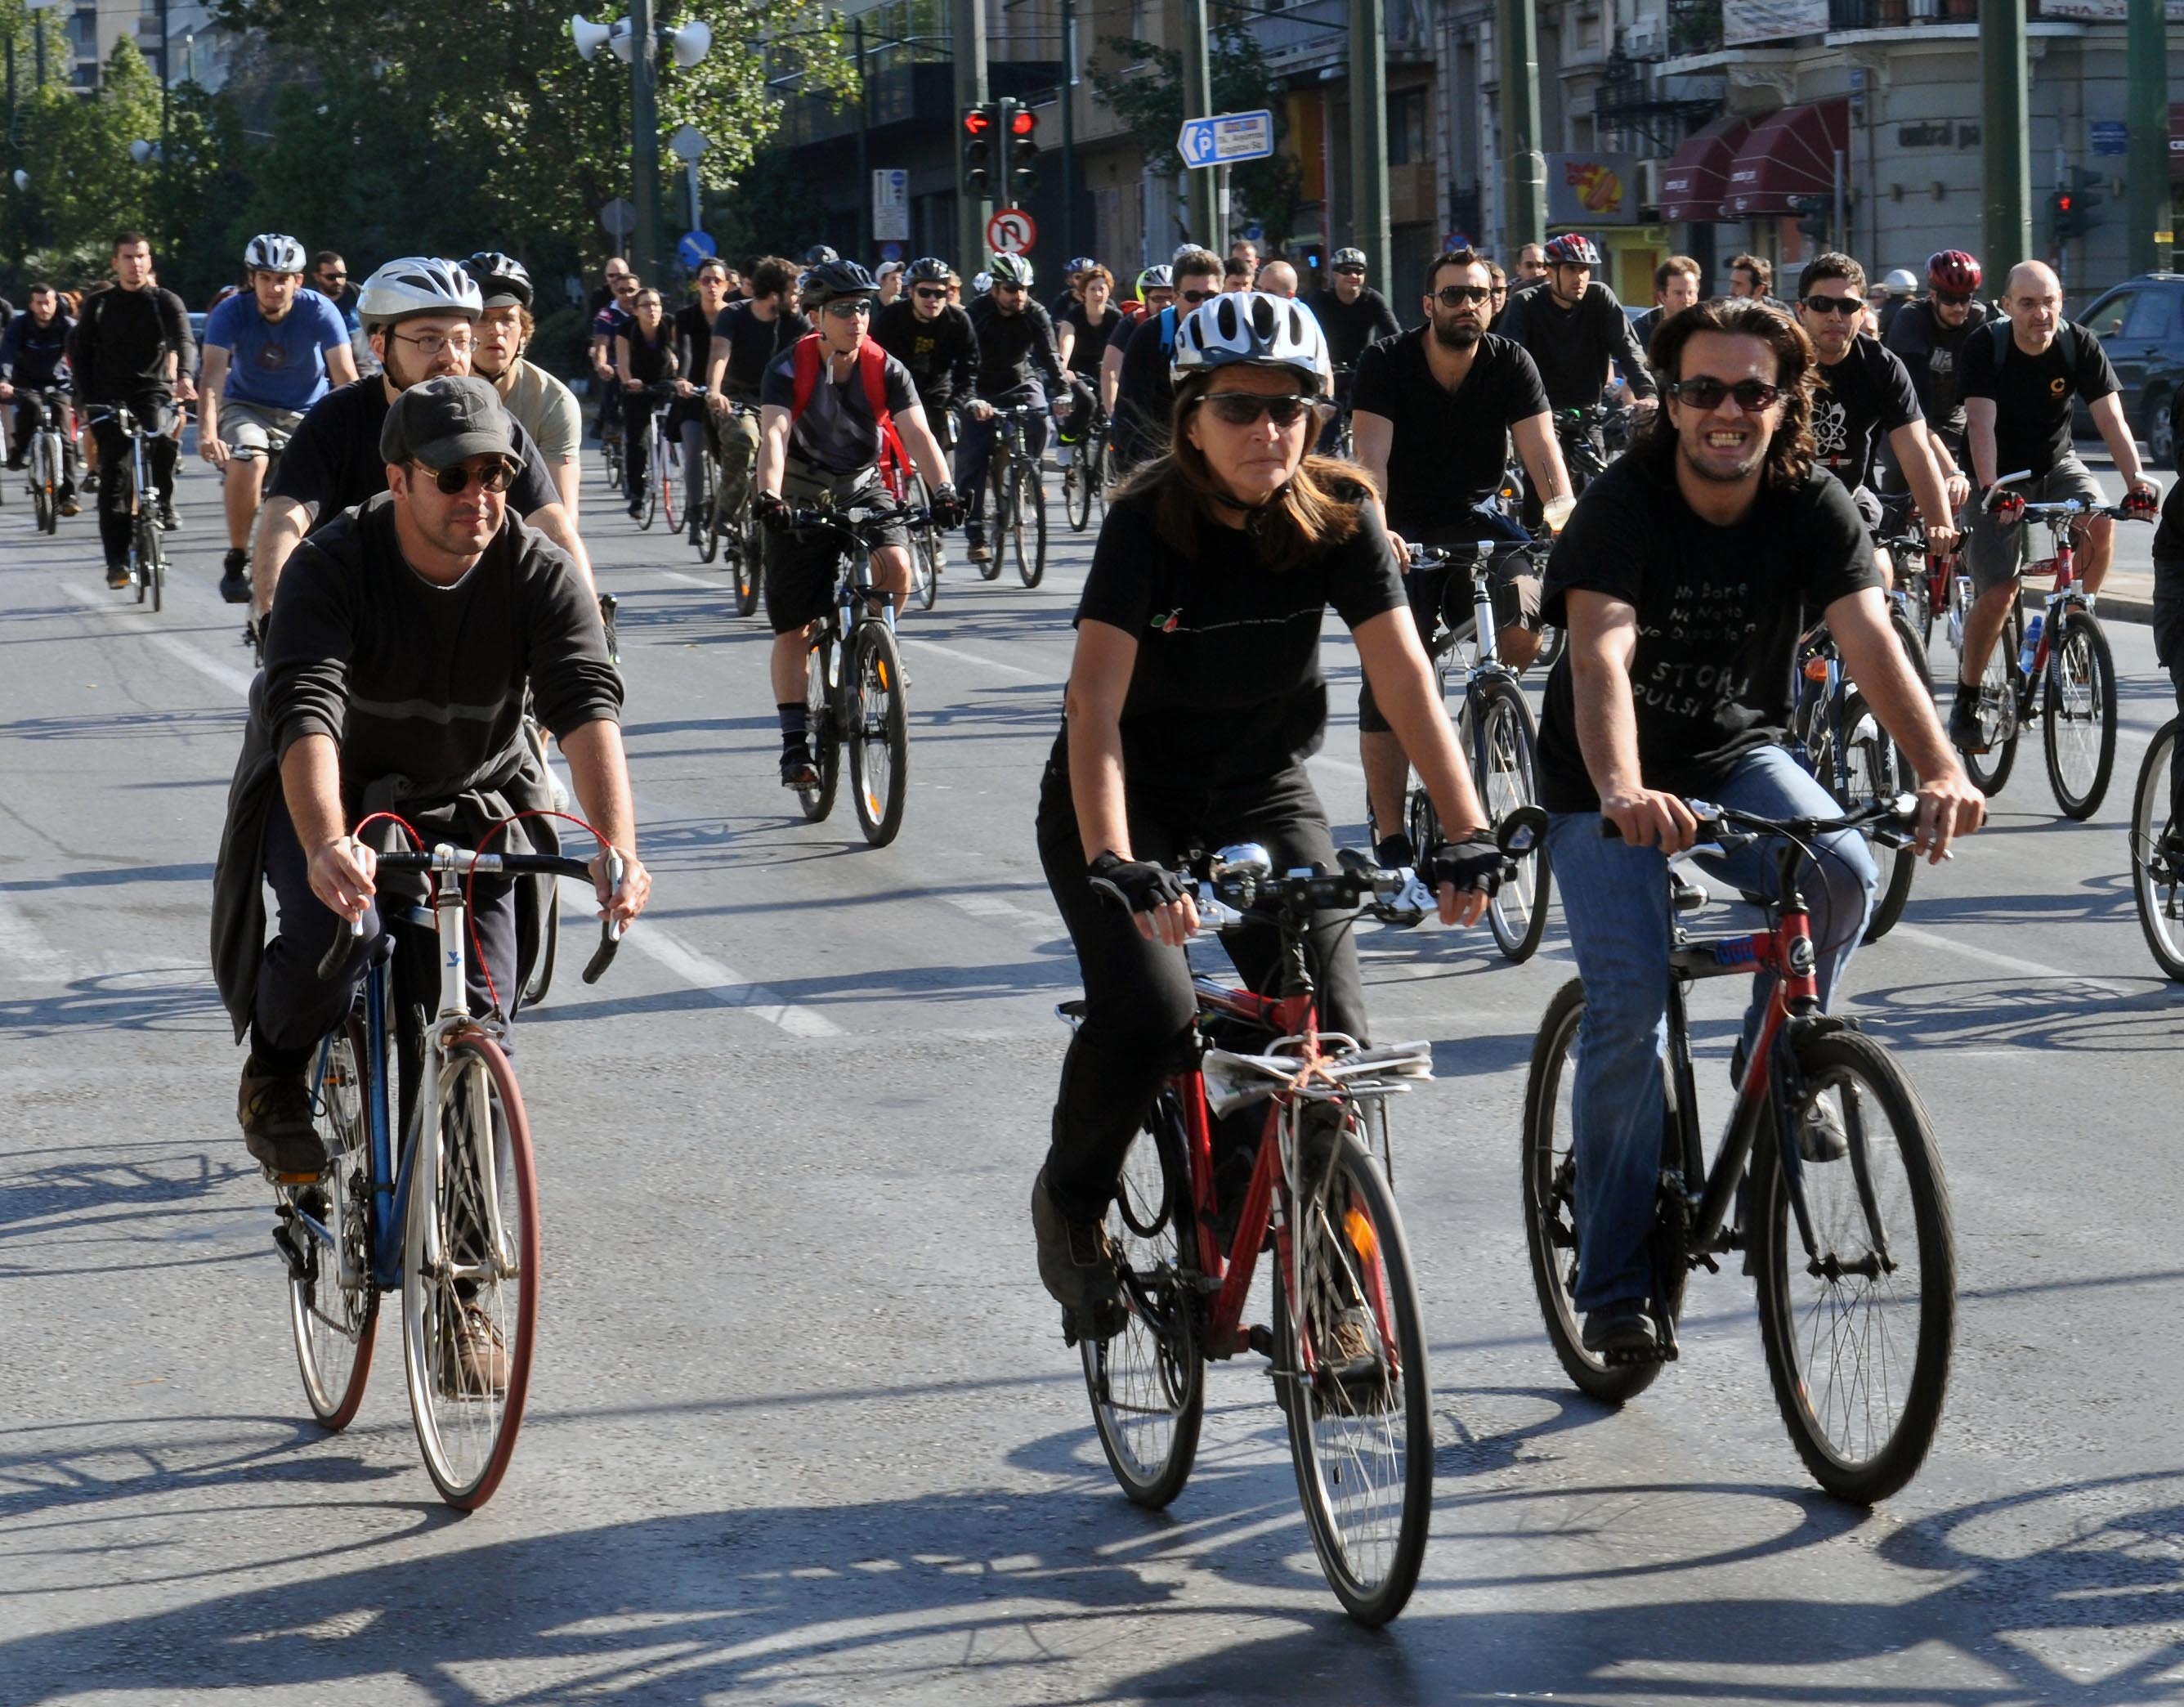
(1348,258)
(1252,328)
(272,253)
(503,281)
(1011,270)
(981,283)
(1162,277)
(418,284)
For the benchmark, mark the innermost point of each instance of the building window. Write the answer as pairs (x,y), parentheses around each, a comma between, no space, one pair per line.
(1406,127)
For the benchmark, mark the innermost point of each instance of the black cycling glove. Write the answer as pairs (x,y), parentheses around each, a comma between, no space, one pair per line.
(1473,864)
(770,509)
(1392,853)
(1134,885)
(948,509)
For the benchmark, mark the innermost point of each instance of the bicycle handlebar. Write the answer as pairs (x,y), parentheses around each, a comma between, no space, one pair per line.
(1724,829)
(463,862)
(1476,553)
(857,523)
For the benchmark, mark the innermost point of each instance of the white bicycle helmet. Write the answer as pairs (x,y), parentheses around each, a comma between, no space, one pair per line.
(1903,282)
(418,284)
(1252,328)
(271,253)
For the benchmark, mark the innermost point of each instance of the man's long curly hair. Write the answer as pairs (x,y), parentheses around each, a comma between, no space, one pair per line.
(1790,452)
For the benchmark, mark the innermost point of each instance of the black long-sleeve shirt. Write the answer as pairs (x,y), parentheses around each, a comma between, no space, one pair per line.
(1011,345)
(942,353)
(33,357)
(1349,327)
(122,338)
(1573,346)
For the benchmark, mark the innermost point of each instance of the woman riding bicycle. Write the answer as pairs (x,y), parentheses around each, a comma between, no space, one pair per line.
(645,364)
(1194,700)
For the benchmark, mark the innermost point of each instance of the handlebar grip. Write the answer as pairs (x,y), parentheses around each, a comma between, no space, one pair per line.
(337,951)
(609,929)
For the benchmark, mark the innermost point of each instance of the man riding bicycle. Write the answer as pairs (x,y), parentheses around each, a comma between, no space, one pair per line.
(34,357)
(132,348)
(747,339)
(932,337)
(1929,336)
(1143,364)
(270,354)
(2019,376)
(1015,338)
(411,630)
(1684,579)
(542,406)
(831,407)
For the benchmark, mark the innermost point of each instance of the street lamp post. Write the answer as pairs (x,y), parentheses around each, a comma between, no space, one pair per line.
(38,32)
(637,39)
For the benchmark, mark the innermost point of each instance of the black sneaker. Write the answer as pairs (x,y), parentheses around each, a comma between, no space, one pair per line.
(1622,1329)
(235,577)
(169,522)
(796,770)
(1965,734)
(117,576)
(1076,1262)
(275,1110)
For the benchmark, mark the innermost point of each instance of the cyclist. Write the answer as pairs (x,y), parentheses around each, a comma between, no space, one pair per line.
(421,314)
(1016,349)
(1277,278)
(2018,375)
(270,354)
(1499,299)
(1929,336)
(1072,292)
(1246,252)
(1153,291)
(644,359)
(1083,333)
(1574,327)
(607,323)
(542,406)
(132,347)
(1434,412)
(411,628)
(33,357)
(830,405)
(1752,279)
(1897,291)
(690,422)
(889,277)
(1684,579)
(1352,314)
(932,337)
(1677,284)
(747,339)
(1195,699)
(1531,269)
(329,277)
(1142,400)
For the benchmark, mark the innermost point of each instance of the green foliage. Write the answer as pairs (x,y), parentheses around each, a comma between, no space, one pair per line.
(84,186)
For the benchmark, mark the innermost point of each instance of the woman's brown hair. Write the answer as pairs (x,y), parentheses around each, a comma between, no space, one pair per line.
(1789,451)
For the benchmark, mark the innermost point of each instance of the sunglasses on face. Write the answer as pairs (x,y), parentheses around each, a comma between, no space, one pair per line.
(1248,408)
(1196,296)
(332,278)
(494,477)
(1834,305)
(851,309)
(1461,296)
(1705,392)
(1350,272)
(1949,298)
(924,295)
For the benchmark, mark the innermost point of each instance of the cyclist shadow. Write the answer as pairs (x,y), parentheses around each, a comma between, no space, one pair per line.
(119,1001)
(2062,1014)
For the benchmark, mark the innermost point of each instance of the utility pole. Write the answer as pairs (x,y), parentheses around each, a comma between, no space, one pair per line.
(1069,128)
(644,138)
(2006,205)
(1523,167)
(864,155)
(967,26)
(1368,134)
(1198,103)
(2146,193)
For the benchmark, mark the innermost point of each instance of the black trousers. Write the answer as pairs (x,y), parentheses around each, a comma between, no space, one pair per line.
(637,409)
(294,1007)
(1138,998)
(2168,649)
(154,413)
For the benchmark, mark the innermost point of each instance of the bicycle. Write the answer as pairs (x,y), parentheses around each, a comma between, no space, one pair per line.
(452,1222)
(659,466)
(147,551)
(704,498)
(1016,500)
(1854,1257)
(1842,744)
(50,460)
(1345,442)
(2157,856)
(1923,584)
(1591,436)
(853,690)
(1495,727)
(907,487)
(1088,472)
(2061,665)
(734,524)
(1347,1347)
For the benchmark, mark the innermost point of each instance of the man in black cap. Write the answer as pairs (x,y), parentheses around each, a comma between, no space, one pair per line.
(407,630)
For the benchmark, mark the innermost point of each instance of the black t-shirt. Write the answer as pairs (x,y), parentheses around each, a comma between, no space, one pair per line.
(1867,393)
(1227,686)
(1014,349)
(753,345)
(2031,394)
(1144,387)
(1090,337)
(651,360)
(332,461)
(836,430)
(942,353)
(2169,536)
(1449,448)
(1719,610)
(122,338)
(1573,344)
(1349,327)
(1932,352)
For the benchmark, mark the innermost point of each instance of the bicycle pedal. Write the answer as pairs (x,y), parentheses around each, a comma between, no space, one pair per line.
(289,1179)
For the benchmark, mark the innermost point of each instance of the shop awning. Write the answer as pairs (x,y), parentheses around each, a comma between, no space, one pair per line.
(1694,181)
(1789,154)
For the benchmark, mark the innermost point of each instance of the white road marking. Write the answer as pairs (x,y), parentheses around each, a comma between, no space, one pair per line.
(1004,912)
(25,955)
(941,651)
(714,585)
(173,646)
(2009,963)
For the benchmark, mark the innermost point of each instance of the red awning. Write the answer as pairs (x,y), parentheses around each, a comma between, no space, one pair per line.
(1692,183)
(1791,152)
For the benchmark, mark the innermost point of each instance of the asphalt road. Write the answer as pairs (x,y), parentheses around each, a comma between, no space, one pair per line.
(804,1431)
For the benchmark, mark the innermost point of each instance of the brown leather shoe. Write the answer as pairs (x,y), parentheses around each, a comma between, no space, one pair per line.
(275,1110)
(1076,1260)
(481,1359)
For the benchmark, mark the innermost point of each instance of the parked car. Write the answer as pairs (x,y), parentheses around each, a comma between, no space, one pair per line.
(2141,326)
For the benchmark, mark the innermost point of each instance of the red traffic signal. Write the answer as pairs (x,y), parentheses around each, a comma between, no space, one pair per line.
(978,123)
(2063,201)
(1022,122)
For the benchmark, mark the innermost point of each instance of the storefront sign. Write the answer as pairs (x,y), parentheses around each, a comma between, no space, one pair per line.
(1744,21)
(1592,190)
(2102,11)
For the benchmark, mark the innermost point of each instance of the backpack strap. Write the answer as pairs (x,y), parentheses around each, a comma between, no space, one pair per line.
(804,372)
(2066,339)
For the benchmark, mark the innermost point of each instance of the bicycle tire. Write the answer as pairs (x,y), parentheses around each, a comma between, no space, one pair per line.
(705,521)
(1505,741)
(1147,1382)
(1031,495)
(2156,887)
(2078,701)
(142,527)
(1874,768)
(1831,1408)
(610,446)
(750,568)
(1916,578)
(157,557)
(1362,1449)
(459,1207)
(651,506)
(1991,769)
(45,498)
(663,483)
(924,549)
(1914,649)
(1077,480)
(1549,1167)
(997,513)
(878,732)
(820,666)
(335,1322)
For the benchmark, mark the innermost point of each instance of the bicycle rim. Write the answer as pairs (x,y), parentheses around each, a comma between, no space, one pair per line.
(1019,546)
(1077,480)
(1518,914)
(878,734)
(333,1306)
(1998,709)
(1361,1440)
(666,484)
(1857,1342)
(471,1271)
(748,570)
(2078,721)
(2157,884)
(1031,493)
(1875,768)
(651,501)
(1147,1383)
(820,666)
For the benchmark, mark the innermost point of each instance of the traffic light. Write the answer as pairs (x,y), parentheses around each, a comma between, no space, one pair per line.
(982,128)
(1814,221)
(2077,205)
(1023,151)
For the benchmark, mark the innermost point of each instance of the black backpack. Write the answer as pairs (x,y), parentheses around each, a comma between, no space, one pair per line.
(2066,339)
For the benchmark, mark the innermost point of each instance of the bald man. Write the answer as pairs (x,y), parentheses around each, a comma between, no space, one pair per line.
(2018,377)
(1277,278)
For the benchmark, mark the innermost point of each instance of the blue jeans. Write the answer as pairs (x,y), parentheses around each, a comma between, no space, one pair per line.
(975,449)
(1616,898)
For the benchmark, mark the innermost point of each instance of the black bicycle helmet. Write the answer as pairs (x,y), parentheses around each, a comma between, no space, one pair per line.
(828,280)
(501,279)
(930,269)
(818,255)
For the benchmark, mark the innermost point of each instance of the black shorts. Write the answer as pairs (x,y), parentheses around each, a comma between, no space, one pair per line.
(802,569)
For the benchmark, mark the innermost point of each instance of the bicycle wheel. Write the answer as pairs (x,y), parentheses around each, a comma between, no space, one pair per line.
(707,523)
(1857,1335)
(2157,881)
(670,509)
(45,484)
(1550,1193)
(651,507)
(820,666)
(1874,768)
(999,491)
(611,455)
(1505,741)
(878,732)
(1998,687)
(1914,648)
(470,1274)
(333,1306)
(1351,1366)
(1147,1383)
(1077,482)
(2078,715)
(142,528)
(924,549)
(749,566)
(1027,519)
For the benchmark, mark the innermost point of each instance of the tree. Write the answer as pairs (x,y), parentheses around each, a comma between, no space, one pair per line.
(84,186)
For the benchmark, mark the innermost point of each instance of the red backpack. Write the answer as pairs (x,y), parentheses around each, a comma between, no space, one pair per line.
(871,368)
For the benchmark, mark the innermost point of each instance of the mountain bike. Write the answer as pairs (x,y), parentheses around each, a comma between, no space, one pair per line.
(1493,726)
(907,487)
(853,691)
(2059,667)
(1016,502)
(50,463)
(1835,732)
(147,551)
(1090,469)
(660,476)
(1347,1346)
(1853,1250)
(449,1214)
(2157,856)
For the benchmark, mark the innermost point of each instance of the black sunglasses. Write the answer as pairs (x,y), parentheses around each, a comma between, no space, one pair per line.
(1247,408)
(1950,298)
(1350,272)
(1834,305)
(1751,395)
(936,294)
(496,477)
(1196,295)
(849,309)
(1461,296)
(333,275)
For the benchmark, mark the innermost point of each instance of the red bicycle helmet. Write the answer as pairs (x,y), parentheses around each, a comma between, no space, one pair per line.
(1573,248)
(1955,271)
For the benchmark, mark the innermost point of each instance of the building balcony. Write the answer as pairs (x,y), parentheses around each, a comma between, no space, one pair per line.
(1902,14)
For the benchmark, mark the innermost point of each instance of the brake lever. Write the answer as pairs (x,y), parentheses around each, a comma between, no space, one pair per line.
(610,927)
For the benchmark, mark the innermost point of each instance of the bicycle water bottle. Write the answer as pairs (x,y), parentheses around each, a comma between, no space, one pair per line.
(1963,603)
(2031,643)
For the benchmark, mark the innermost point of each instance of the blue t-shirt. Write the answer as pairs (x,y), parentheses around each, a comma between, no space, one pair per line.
(280,364)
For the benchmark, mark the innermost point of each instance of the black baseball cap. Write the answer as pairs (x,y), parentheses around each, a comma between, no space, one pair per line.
(447,420)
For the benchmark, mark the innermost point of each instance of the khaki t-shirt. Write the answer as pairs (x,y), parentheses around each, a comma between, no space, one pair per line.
(547,410)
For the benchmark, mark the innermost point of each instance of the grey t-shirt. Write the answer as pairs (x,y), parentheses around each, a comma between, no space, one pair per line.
(837,431)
